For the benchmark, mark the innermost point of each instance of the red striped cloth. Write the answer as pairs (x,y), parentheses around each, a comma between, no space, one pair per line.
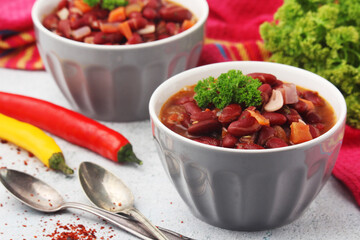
(17,39)
(232,33)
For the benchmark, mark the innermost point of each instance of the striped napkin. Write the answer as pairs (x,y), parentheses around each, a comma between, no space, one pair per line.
(17,39)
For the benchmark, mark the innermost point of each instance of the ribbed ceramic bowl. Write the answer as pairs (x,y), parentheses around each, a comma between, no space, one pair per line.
(248,189)
(114,83)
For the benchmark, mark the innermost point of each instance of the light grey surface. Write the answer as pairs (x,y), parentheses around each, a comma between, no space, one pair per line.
(333,214)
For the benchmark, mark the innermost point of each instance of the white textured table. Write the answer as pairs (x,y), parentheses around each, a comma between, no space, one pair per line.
(333,215)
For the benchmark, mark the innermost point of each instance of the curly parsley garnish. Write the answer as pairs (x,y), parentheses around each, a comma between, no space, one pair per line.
(230,87)
(107,4)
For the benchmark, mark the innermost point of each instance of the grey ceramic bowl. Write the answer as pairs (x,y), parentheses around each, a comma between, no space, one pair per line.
(114,83)
(248,189)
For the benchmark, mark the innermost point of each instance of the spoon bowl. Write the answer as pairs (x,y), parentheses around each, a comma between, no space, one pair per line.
(104,189)
(31,191)
(109,192)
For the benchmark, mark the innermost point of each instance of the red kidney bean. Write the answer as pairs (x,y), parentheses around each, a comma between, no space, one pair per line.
(135,39)
(137,23)
(275,142)
(291,115)
(103,38)
(135,15)
(248,146)
(64,28)
(319,126)
(175,14)
(149,37)
(162,36)
(161,28)
(229,141)
(266,91)
(280,133)
(62,4)
(266,88)
(154,4)
(203,115)
(208,140)
(264,77)
(86,20)
(275,118)
(172,28)
(314,131)
(186,121)
(301,107)
(51,21)
(265,134)
(277,84)
(203,127)
(183,100)
(230,113)
(312,117)
(244,126)
(77,23)
(314,98)
(191,107)
(101,13)
(150,13)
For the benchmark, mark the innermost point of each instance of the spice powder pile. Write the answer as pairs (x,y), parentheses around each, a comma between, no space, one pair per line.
(72,232)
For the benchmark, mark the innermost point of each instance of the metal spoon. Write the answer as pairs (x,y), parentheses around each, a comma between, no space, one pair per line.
(106,190)
(40,196)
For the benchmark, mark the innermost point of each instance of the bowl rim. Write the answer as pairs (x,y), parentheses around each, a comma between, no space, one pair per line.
(155,118)
(38,24)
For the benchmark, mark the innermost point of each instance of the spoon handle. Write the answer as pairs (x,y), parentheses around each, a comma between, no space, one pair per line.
(118,220)
(133,212)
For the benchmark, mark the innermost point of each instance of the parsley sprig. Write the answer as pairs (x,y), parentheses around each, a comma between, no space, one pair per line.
(230,87)
(107,4)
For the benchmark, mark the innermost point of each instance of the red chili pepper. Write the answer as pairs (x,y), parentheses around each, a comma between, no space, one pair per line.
(69,125)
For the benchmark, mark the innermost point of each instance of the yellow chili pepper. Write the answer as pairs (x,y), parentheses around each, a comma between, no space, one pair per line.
(35,141)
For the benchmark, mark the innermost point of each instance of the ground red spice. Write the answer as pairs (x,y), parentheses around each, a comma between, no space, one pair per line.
(72,232)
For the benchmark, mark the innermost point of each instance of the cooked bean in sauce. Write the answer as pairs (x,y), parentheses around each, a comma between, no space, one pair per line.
(287,115)
(137,21)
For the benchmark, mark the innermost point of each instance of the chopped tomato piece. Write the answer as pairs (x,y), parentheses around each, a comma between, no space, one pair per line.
(300,132)
(125,30)
(117,15)
(309,104)
(109,27)
(259,118)
(187,24)
(82,6)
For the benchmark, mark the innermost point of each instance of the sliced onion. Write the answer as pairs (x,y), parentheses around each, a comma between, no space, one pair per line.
(290,93)
(150,28)
(63,14)
(134,7)
(81,32)
(76,10)
(89,40)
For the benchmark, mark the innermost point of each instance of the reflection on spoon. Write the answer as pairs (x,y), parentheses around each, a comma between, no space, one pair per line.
(106,190)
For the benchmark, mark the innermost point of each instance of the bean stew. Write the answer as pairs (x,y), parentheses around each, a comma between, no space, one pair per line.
(133,22)
(285,115)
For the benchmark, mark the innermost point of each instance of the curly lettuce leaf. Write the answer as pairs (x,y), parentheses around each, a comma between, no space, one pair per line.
(321,36)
